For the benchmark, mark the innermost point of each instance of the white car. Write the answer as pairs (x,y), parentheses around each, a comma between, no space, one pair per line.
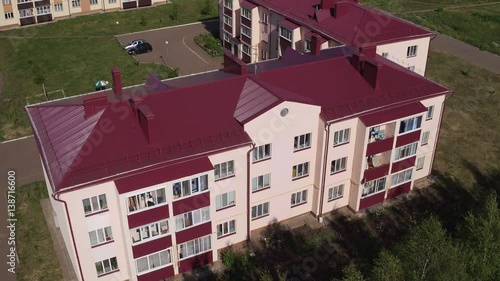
(134,44)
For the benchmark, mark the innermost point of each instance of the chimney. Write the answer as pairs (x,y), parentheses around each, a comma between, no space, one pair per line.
(233,64)
(327,4)
(371,72)
(357,62)
(315,44)
(341,9)
(94,103)
(147,123)
(134,104)
(117,81)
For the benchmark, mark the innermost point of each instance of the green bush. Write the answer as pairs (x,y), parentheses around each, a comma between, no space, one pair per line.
(210,44)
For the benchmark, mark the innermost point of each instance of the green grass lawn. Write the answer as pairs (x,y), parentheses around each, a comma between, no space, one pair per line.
(78,52)
(210,44)
(35,248)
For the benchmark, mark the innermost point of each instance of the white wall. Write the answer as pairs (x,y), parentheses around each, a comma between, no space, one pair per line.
(397,53)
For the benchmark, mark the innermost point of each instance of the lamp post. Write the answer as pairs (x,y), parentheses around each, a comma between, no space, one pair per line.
(118,25)
(166,56)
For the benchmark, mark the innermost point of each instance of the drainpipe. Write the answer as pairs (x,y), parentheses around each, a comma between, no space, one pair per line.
(325,157)
(249,213)
(56,197)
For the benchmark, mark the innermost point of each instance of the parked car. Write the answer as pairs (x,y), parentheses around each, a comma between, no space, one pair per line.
(140,49)
(134,43)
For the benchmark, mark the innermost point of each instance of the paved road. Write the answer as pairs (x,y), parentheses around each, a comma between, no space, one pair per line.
(181,51)
(467,52)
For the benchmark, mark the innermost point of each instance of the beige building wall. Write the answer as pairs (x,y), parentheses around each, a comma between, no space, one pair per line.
(397,52)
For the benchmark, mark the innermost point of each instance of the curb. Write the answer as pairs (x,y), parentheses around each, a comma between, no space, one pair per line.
(168,27)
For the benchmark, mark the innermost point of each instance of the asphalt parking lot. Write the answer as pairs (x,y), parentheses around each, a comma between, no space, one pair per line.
(180,51)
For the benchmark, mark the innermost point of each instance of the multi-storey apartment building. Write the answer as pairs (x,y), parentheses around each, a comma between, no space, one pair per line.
(151,181)
(256,30)
(25,12)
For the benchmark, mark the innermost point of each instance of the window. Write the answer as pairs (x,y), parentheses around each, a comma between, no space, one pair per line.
(373,187)
(264,55)
(190,187)
(300,170)
(153,261)
(246,31)
(405,151)
(425,138)
(227,37)
(228,20)
(401,177)
(411,51)
(302,141)
(341,136)
(228,4)
(265,18)
(95,204)
(93,2)
(146,200)
(285,33)
(226,228)
(9,15)
(420,162)
(24,1)
(307,45)
(43,10)
(261,152)
(150,231)
(112,1)
(299,198)
(224,170)
(260,210)
(385,55)
(261,182)
(335,192)
(192,218)
(100,236)
(58,7)
(75,3)
(430,112)
(246,13)
(194,247)
(26,13)
(106,266)
(412,68)
(6,2)
(411,124)
(245,49)
(339,165)
(225,200)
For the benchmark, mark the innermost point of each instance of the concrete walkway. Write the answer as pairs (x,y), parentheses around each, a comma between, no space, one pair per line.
(467,52)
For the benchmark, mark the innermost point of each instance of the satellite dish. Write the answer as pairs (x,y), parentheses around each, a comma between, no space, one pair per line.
(376,161)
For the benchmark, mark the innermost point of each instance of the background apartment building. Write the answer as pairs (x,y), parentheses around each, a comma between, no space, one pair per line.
(257,30)
(26,12)
(152,181)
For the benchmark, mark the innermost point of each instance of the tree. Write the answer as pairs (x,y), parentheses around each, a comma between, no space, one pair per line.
(174,14)
(351,273)
(387,268)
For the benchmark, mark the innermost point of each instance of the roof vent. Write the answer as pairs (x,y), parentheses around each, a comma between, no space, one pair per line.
(147,123)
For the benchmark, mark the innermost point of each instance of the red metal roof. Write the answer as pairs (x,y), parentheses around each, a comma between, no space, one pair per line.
(288,24)
(248,5)
(253,99)
(392,114)
(360,26)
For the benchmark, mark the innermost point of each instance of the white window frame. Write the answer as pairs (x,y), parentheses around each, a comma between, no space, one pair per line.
(300,170)
(95,203)
(23,1)
(420,163)
(286,33)
(425,138)
(25,14)
(402,177)
(194,247)
(76,3)
(103,266)
(336,192)
(58,7)
(148,229)
(180,189)
(342,136)
(225,200)
(224,170)
(6,2)
(385,54)
(228,20)
(43,10)
(265,18)
(262,152)
(405,151)
(246,49)
(93,2)
(261,182)
(302,142)
(246,13)
(307,45)
(146,200)
(410,125)
(102,235)
(9,15)
(411,51)
(227,37)
(260,210)
(339,165)
(245,30)
(373,187)
(263,54)
(111,1)
(149,261)
(430,112)
(228,4)
(298,198)
(195,217)
(226,228)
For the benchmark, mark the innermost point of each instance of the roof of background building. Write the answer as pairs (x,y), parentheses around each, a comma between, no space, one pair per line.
(360,26)
(195,118)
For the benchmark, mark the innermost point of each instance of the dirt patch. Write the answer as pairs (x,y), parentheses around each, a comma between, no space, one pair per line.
(11,132)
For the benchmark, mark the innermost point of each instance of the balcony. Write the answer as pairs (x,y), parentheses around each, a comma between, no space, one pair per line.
(380,133)
(377,160)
